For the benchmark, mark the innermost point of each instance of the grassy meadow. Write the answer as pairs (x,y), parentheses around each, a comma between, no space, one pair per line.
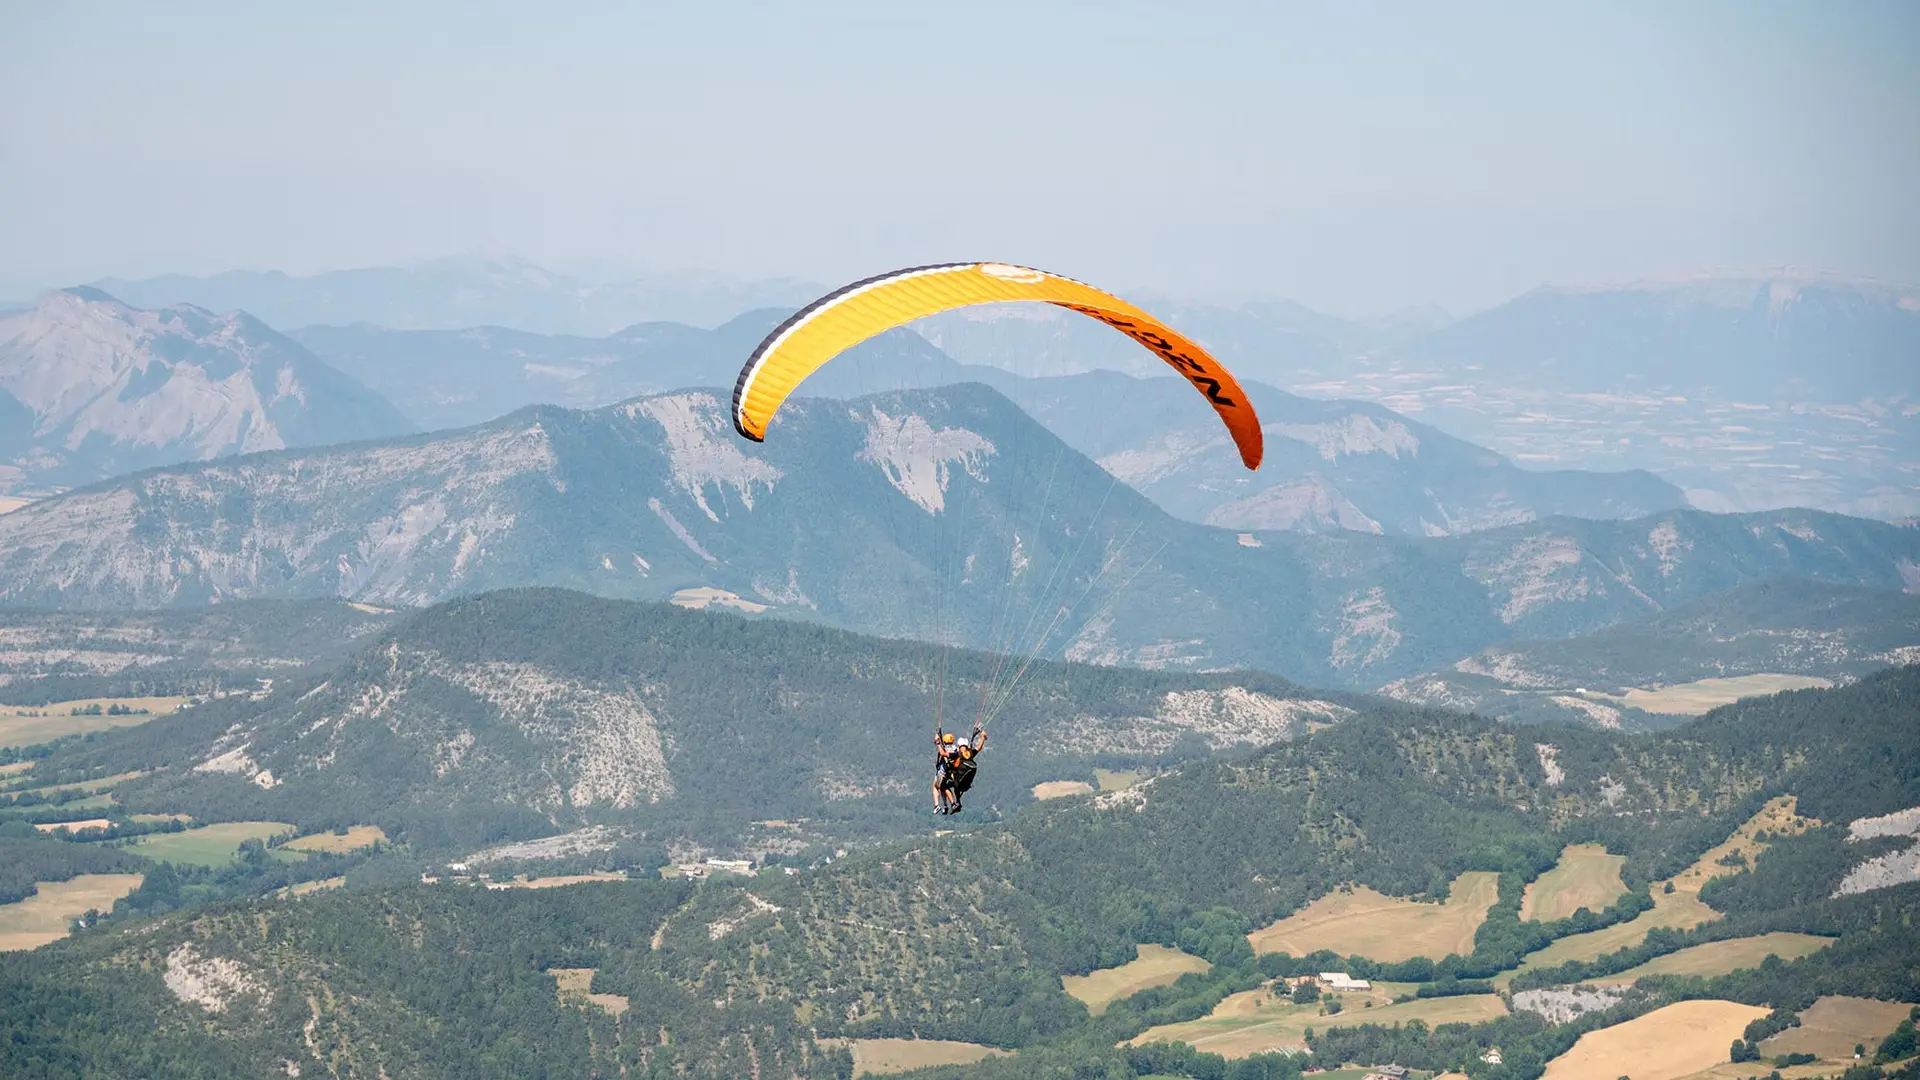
(1156,965)
(43,917)
(208,845)
(1585,877)
(1681,908)
(1666,1044)
(1721,957)
(355,838)
(1258,1021)
(22,725)
(1385,928)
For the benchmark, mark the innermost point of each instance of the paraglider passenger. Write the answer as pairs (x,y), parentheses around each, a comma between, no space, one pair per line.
(944,749)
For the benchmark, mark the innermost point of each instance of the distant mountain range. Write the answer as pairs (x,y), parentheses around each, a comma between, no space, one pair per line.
(468,290)
(84,358)
(1812,337)
(1748,392)
(855,513)
(1330,465)
(90,387)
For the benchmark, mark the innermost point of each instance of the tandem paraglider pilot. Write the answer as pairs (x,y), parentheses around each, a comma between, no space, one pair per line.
(954,767)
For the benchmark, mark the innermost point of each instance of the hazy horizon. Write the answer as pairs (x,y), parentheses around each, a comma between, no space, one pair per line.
(1357,159)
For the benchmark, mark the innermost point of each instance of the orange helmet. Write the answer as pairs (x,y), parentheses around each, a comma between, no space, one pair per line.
(947,738)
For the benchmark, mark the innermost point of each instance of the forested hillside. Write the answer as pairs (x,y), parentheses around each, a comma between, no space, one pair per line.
(522,713)
(1789,626)
(968,935)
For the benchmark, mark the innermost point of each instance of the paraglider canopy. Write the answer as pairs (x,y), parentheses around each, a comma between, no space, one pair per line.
(852,314)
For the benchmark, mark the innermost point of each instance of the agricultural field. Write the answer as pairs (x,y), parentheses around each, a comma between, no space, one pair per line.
(1665,1044)
(1727,1070)
(305,887)
(74,826)
(208,845)
(90,786)
(1703,695)
(91,802)
(575,986)
(1721,957)
(1585,877)
(1832,1026)
(43,917)
(15,768)
(22,725)
(357,837)
(1061,789)
(1680,909)
(1362,1071)
(878,1057)
(1366,923)
(1110,780)
(1257,1021)
(557,880)
(1156,965)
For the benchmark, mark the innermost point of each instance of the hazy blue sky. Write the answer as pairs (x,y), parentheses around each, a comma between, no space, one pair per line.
(1355,156)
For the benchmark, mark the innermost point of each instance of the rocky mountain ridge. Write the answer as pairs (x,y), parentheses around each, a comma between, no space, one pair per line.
(853,514)
(90,387)
(1330,464)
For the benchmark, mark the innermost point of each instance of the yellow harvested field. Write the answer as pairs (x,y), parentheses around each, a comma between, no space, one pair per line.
(306,887)
(558,880)
(1721,957)
(1695,698)
(1156,965)
(878,1057)
(1727,1070)
(1680,909)
(15,768)
(1832,1026)
(1665,1044)
(24,726)
(357,837)
(74,826)
(1585,877)
(575,986)
(43,917)
(1060,789)
(1109,780)
(147,819)
(706,596)
(1366,923)
(10,503)
(1259,1021)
